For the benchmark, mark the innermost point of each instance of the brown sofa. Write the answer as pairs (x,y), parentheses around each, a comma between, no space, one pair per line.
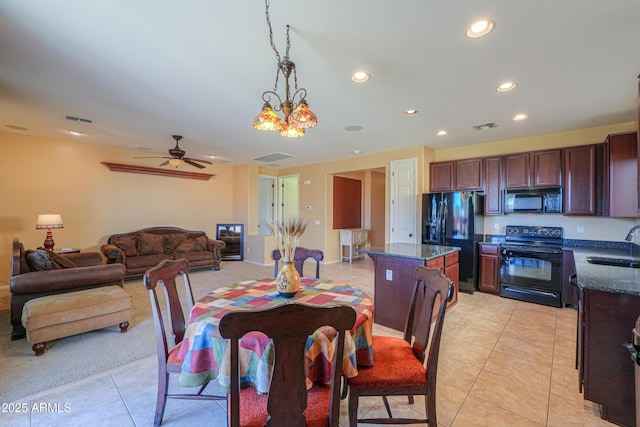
(140,250)
(41,273)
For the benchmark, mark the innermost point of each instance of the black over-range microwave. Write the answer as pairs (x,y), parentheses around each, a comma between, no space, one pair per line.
(540,200)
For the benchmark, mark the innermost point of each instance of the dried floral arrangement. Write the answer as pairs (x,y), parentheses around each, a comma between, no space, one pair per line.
(287,233)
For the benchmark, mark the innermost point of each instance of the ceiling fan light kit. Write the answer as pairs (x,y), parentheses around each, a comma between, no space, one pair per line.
(297,115)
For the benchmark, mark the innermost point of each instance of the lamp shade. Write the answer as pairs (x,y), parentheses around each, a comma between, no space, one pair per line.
(48,221)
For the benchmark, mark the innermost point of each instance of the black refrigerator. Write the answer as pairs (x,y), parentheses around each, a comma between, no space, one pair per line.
(456,219)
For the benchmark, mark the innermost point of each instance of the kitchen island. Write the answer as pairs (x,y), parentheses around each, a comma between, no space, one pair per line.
(609,304)
(394,279)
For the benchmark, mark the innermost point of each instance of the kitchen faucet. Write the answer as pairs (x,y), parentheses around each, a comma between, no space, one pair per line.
(630,235)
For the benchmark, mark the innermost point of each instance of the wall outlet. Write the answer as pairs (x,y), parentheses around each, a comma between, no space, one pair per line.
(317,222)
(389,275)
(496,226)
(307,182)
(248,250)
(581,229)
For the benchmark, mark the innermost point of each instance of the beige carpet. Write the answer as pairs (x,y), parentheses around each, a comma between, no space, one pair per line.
(72,358)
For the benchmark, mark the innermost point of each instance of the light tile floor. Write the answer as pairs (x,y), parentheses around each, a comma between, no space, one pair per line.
(502,363)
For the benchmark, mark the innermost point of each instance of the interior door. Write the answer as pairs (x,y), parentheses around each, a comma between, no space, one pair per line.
(289,197)
(266,203)
(403,200)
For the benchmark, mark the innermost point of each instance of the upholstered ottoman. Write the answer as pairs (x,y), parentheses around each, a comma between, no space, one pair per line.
(57,316)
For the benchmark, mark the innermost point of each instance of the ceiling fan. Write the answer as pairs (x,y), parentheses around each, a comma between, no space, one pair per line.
(177,157)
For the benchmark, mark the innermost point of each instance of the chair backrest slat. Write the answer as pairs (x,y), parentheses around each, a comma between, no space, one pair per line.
(289,326)
(299,257)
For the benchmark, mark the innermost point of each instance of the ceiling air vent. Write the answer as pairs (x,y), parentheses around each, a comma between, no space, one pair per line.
(273,157)
(485,126)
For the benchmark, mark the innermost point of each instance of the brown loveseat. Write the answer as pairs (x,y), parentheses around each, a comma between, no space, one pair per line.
(140,250)
(41,273)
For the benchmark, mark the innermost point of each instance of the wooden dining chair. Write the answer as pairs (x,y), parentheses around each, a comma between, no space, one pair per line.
(288,403)
(299,257)
(168,345)
(399,367)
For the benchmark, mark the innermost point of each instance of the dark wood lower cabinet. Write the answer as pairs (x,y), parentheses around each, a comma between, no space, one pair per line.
(489,269)
(605,323)
(394,280)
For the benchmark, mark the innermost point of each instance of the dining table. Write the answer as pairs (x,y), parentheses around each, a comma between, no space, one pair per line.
(205,354)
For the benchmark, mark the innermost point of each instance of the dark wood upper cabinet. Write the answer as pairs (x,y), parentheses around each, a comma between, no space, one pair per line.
(493,185)
(620,170)
(441,176)
(547,168)
(469,174)
(580,180)
(517,169)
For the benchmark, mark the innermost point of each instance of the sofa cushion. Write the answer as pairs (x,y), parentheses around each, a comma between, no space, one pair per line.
(60,261)
(145,261)
(195,256)
(128,244)
(172,241)
(150,244)
(39,260)
(202,243)
(187,245)
(42,259)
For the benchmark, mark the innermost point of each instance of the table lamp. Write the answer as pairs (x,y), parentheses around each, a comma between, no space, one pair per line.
(48,221)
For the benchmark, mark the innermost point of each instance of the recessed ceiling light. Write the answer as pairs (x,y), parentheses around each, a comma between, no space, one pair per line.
(521,116)
(441,132)
(506,86)
(411,112)
(480,28)
(212,157)
(75,132)
(356,151)
(353,128)
(360,77)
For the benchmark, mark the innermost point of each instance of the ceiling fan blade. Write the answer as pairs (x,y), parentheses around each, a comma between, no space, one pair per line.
(198,160)
(192,163)
(165,163)
(152,157)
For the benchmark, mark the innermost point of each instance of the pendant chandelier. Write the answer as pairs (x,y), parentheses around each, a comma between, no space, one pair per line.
(297,115)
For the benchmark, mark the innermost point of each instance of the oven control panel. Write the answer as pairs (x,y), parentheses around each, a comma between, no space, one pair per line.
(534,232)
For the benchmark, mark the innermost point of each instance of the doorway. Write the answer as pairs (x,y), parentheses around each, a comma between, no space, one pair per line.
(266,203)
(288,197)
(403,192)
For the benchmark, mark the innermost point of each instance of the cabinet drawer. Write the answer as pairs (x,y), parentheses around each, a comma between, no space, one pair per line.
(451,259)
(360,236)
(489,249)
(436,263)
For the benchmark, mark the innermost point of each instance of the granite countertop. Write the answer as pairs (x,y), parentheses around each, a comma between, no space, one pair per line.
(410,250)
(619,280)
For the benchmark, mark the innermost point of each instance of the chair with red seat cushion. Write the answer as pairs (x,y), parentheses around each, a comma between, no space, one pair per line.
(399,367)
(288,403)
(166,273)
(299,257)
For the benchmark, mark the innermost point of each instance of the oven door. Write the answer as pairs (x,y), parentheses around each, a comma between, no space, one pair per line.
(531,274)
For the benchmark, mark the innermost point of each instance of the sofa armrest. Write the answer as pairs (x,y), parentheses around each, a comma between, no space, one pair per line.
(84,259)
(68,278)
(114,254)
(213,244)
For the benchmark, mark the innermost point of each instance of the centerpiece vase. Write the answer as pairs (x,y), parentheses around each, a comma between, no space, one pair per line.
(288,280)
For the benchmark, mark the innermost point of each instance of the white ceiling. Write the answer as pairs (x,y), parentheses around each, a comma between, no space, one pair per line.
(146,69)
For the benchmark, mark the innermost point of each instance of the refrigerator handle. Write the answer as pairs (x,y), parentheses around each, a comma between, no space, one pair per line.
(443,219)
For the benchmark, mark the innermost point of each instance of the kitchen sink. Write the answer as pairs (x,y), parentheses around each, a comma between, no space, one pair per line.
(618,262)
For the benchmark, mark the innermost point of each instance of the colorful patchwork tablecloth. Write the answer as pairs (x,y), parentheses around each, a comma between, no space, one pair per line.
(205,354)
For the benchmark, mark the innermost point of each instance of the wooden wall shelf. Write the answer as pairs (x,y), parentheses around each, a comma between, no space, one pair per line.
(118,167)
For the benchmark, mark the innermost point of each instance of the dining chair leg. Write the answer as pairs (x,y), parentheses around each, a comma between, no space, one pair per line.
(353,408)
(345,388)
(386,405)
(161,402)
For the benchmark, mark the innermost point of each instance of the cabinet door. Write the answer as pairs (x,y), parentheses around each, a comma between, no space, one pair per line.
(547,166)
(469,174)
(489,278)
(517,170)
(622,173)
(493,186)
(441,176)
(453,273)
(580,180)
